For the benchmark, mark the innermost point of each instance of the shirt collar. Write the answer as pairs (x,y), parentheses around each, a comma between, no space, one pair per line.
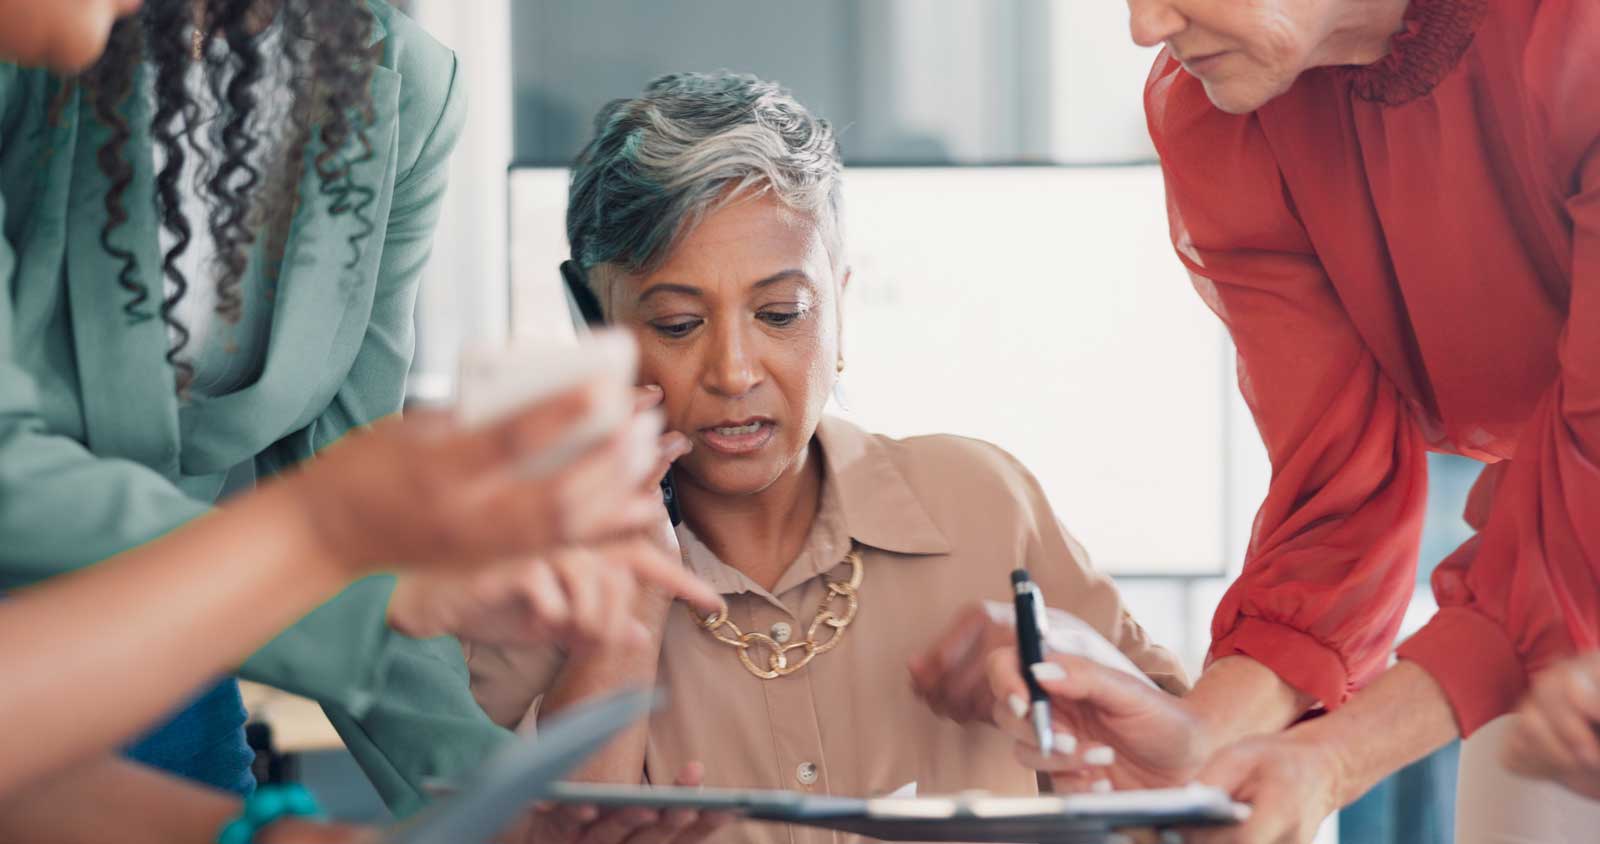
(877,503)
(865,498)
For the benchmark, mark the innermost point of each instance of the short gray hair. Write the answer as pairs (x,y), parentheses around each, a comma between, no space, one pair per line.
(690,144)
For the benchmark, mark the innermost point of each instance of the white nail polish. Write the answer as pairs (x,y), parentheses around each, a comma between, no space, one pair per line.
(1047,672)
(1099,756)
(1019,707)
(1101,787)
(1066,744)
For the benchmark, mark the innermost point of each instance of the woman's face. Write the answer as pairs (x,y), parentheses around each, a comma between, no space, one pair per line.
(1245,52)
(65,36)
(740,328)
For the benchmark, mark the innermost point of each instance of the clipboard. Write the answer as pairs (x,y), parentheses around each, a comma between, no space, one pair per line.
(480,806)
(972,818)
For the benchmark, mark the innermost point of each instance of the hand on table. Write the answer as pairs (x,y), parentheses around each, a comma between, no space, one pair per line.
(1110,726)
(1557,734)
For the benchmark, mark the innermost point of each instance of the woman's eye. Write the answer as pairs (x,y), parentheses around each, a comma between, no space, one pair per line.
(676,328)
(778,318)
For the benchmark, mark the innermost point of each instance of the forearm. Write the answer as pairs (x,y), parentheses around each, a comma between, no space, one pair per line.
(1400,718)
(594,673)
(181,610)
(114,800)
(1238,697)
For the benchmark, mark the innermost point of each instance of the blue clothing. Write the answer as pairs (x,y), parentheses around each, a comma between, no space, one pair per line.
(205,742)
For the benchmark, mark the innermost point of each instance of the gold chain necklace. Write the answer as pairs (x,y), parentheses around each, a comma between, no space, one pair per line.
(826,621)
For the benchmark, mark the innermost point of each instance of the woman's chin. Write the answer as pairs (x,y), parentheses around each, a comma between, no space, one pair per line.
(1238,96)
(729,481)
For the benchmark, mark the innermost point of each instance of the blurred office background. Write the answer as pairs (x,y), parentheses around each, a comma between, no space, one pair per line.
(1013,276)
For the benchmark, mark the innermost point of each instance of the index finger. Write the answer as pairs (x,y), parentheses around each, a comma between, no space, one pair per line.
(670,576)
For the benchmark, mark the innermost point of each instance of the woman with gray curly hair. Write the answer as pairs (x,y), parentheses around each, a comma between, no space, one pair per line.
(705,217)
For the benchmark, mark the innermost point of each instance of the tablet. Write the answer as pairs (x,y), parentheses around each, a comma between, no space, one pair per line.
(486,802)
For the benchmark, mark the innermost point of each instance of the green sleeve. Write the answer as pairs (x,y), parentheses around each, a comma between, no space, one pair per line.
(425,723)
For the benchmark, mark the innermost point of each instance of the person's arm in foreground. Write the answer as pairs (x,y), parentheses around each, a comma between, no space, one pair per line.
(149,626)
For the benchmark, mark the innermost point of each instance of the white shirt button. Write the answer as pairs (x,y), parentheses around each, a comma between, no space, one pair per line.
(806,773)
(781,632)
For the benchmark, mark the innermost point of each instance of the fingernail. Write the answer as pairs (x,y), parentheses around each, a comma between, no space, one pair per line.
(1099,756)
(1046,672)
(1066,743)
(1100,786)
(1019,707)
(654,388)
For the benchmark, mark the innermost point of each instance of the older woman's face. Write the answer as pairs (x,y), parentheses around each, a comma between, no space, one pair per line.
(1245,52)
(63,35)
(740,328)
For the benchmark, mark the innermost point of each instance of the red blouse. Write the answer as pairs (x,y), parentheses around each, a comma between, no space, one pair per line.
(1408,258)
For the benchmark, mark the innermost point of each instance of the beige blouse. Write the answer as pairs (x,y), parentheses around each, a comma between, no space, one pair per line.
(940,521)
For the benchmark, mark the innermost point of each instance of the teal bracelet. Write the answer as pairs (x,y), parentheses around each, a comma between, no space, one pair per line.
(266,806)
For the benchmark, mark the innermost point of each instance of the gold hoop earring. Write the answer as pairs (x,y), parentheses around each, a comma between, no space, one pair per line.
(840,368)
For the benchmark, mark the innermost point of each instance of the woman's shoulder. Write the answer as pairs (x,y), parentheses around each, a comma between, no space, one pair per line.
(956,476)
(432,98)
(411,50)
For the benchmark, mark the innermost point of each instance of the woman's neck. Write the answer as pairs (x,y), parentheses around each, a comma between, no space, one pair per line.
(1362,33)
(759,534)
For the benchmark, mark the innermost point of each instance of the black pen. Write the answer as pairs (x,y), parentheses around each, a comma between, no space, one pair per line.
(1030,647)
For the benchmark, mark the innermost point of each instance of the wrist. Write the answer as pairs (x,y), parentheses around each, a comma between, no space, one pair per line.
(1207,734)
(268,811)
(416,609)
(317,510)
(1336,766)
(295,831)
(284,506)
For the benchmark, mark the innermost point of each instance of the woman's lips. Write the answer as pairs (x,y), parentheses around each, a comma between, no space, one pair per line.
(738,438)
(1200,64)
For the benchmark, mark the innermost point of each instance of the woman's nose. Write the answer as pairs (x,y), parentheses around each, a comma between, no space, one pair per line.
(1152,22)
(732,371)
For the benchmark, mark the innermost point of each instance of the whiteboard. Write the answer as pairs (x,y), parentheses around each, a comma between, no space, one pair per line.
(1039,308)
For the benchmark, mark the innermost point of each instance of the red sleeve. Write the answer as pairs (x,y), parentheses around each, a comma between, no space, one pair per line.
(1332,559)
(1526,589)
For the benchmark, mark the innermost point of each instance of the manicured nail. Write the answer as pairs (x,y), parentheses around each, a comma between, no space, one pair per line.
(1099,756)
(1046,672)
(1101,787)
(1066,743)
(654,388)
(1019,707)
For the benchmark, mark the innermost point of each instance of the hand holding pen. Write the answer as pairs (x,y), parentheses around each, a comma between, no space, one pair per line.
(1105,729)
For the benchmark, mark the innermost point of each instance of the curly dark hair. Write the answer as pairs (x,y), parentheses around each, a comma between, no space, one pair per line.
(322,50)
